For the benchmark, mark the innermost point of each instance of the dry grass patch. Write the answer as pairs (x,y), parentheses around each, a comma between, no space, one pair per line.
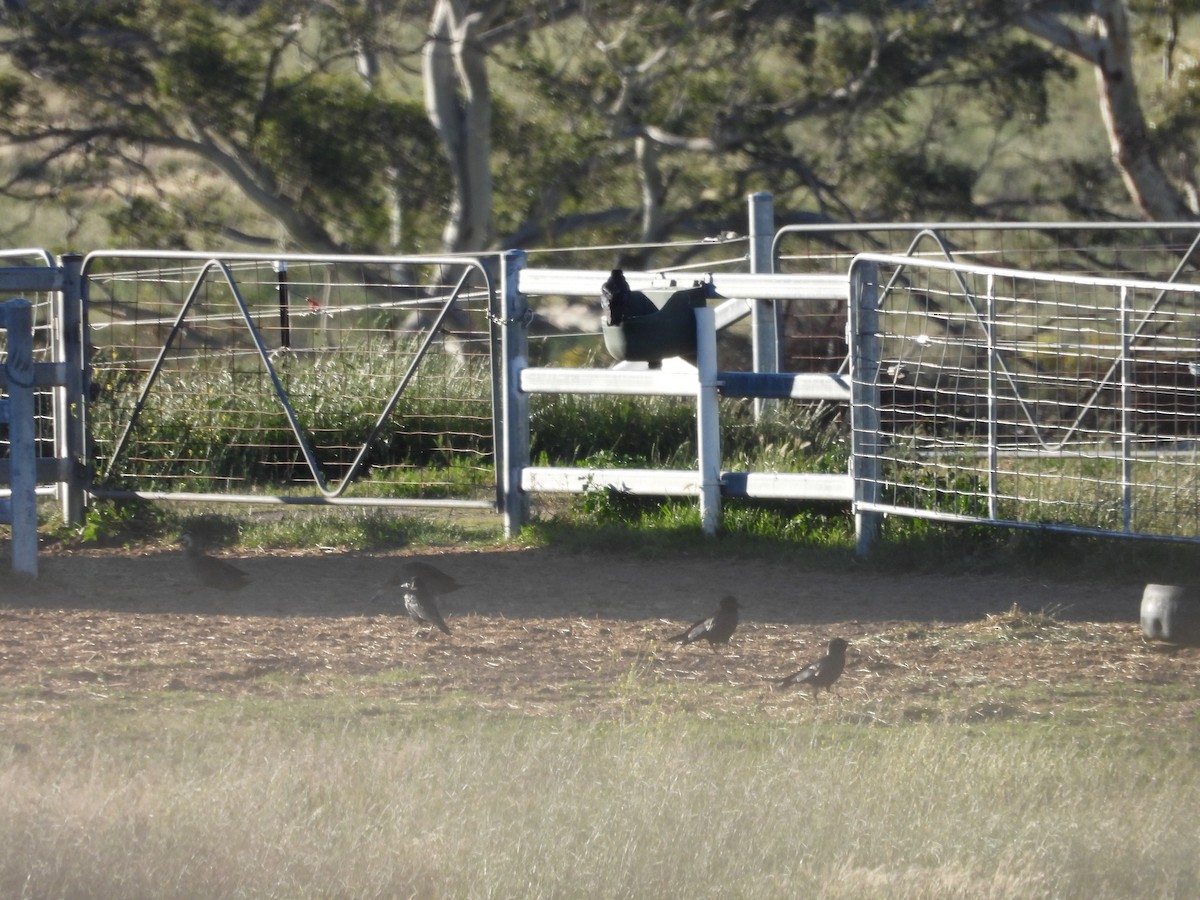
(297,741)
(252,797)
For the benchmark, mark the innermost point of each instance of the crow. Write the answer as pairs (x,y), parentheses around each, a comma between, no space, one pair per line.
(823,672)
(419,592)
(716,629)
(619,302)
(212,572)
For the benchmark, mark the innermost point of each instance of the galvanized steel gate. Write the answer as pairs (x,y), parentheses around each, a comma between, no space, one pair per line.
(155,365)
(222,377)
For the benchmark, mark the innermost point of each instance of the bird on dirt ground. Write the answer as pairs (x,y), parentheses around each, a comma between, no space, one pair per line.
(716,629)
(435,580)
(419,593)
(212,572)
(823,672)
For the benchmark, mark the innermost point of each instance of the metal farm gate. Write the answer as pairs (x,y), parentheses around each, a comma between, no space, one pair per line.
(42,420)
(1039,375)
(289,379)
(1055,401)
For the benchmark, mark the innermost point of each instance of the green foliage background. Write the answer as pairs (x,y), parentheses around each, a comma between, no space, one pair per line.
(178,123)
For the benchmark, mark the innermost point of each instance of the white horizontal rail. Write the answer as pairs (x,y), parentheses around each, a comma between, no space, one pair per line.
(587,283)
(732,311)
(788,486)
(794,386)
(686,483)
(607,381)
(648,482)
(781,287)
(785,385)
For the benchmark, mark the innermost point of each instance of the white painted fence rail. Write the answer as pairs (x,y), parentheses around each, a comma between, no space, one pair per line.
(686,483)
(708,481)
(723,285)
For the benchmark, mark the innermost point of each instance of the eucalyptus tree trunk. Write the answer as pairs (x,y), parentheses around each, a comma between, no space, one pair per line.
(1125,122)
(1107,46)
(653,190)
(458,101)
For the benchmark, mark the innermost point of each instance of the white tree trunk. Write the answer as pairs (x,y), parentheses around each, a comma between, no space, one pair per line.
(653,190)
(1108,48)
(458,100)
(1125,122)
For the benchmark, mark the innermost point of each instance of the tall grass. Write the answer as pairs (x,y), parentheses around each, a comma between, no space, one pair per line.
(312,800)
(208,423)
(661,431)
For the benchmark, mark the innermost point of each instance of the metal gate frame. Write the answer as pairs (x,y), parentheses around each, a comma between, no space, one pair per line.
(328,495)
(868,297)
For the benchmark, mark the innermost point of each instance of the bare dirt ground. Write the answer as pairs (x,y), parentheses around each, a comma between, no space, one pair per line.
(544,630)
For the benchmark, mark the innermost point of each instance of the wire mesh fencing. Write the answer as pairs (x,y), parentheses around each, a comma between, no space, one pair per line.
(1026,398)
(43,348)
(353,379)
(813,335)
(1012,384)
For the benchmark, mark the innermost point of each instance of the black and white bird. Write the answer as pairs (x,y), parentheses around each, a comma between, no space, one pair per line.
(210,571)
(716,629)
(821,673)
(419,600)
(435,579)
(421,583)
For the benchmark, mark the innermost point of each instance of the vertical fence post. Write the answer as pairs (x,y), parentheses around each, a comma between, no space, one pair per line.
(765,323)
(496,368)
(1127,378)
(708,420)
(993,401)
(865,446)
(71,399)
(514,311)
(17,317)
(281,289)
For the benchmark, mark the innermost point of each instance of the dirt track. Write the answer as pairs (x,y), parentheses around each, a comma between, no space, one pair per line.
(553,631)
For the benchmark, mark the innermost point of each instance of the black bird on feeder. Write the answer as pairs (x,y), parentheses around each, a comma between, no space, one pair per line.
(619,302)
